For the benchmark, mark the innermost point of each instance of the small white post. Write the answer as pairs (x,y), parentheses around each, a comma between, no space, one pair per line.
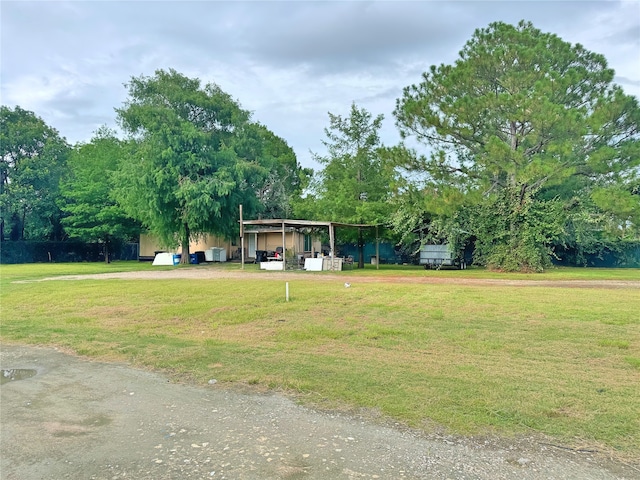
(287,291)
(241,240)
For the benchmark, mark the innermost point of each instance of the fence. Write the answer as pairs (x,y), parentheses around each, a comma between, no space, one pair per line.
(70,251)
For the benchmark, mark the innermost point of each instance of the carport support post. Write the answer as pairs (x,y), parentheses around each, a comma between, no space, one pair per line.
(331,245)
(284,249)
(377,249)
(241,240)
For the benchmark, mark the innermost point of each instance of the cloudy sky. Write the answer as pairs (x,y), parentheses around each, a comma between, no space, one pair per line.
(288,62)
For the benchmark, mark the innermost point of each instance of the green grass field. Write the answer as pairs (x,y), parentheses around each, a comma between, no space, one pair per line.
(465,359)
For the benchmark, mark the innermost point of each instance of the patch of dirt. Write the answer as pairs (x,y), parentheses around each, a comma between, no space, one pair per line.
(212,273)
(83,419)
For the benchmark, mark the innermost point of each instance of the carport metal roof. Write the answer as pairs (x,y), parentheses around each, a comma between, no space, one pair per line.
(278,222)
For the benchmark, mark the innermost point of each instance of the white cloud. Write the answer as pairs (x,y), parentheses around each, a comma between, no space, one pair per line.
(288,62)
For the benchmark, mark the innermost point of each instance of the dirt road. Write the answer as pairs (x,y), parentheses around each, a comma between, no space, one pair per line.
(64,417)
(209,272)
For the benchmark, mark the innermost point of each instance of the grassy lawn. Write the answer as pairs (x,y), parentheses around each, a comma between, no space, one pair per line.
(469,359)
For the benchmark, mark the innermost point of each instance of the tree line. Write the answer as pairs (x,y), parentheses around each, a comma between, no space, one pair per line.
(524,148)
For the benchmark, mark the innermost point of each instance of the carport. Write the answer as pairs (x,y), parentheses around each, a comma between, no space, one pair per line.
(282,225)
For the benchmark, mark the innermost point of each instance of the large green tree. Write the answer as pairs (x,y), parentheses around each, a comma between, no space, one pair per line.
(519,115)
(286,179)
(189,172)
(87,193)
(356,181)
(32,158)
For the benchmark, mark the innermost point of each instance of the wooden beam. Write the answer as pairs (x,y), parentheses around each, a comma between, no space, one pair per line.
(241,240)
(377,249)
(284,248)
(331,244)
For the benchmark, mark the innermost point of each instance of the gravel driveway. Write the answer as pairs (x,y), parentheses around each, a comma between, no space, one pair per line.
(79,419)
(209,272)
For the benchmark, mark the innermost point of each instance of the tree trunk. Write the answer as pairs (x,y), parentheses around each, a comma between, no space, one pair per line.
(360,249)
(512,182)
(14,224)
(106,251)
(185,246)
(24,218)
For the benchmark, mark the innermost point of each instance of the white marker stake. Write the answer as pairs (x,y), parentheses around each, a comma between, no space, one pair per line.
(287,290)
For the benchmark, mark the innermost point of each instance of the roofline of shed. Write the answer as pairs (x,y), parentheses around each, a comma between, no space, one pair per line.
(278,222)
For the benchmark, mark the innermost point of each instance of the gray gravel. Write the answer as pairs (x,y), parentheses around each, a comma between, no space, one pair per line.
(80,419)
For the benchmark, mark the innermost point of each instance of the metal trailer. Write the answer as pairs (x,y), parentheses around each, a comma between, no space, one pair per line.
(437,256)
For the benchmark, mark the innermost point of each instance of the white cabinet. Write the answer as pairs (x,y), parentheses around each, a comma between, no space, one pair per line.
(215,254)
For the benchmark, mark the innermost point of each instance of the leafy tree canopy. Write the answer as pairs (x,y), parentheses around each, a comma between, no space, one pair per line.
(285,180)
(32,157)
(519,115)
(198,157)
(87,192)
(357,182)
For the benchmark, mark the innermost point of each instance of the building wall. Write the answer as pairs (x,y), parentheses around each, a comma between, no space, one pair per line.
(149,245)
(272,240)
(294,240)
